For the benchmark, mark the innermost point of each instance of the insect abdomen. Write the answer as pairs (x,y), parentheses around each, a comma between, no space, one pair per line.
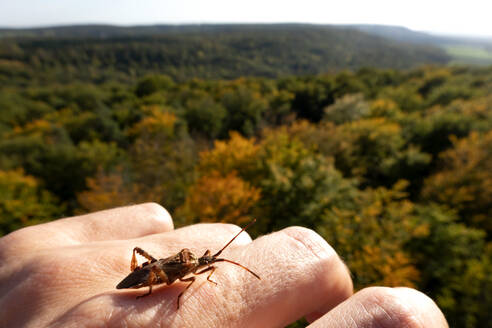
(136,279)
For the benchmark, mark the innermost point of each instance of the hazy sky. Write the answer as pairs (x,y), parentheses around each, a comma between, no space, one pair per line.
(469,17)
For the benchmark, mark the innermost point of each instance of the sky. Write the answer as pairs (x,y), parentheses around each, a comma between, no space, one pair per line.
(470,17)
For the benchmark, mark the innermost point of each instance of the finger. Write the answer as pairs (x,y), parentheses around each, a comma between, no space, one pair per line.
(119,223)
(299,274)
(90,271)
(384,307)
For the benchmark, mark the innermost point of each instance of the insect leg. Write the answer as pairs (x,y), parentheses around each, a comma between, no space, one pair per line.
(192,279)
(149,282)
(212,268)
(140,251)
(161,274)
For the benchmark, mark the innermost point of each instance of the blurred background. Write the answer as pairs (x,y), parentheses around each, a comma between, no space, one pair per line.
(369,122)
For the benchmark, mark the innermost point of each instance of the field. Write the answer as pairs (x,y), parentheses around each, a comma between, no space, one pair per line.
(463,54)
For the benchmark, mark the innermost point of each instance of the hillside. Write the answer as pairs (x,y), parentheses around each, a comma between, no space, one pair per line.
(205,51)
(462,50)
(399,34)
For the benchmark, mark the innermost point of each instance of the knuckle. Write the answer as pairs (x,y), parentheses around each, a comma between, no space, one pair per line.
(155,212)
(309,241)
(231,229)
(388,307)
(330,272)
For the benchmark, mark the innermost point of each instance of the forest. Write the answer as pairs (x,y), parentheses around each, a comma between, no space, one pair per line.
(393,167)
(106,53)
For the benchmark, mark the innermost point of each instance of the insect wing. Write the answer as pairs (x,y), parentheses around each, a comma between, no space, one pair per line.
(177,266)
(136,279)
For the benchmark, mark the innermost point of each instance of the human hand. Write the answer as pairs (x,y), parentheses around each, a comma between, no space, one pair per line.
(64,273)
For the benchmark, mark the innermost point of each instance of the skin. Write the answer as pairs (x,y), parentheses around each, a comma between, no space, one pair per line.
(64,273)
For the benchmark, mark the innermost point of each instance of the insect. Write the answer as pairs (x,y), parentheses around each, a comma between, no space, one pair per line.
(170,269)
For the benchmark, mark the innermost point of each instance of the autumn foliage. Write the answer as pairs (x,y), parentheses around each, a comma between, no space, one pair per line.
(465,180)
(392,168)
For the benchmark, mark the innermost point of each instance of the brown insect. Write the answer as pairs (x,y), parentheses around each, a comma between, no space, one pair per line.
(170,269)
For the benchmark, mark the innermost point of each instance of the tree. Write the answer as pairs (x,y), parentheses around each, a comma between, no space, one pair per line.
(370,235)
(244,108)
(311,97)
(107,190)
(152,83)
(455,265)
(23,202)
(294,182)
(237,154)
(465,180)
(297,184)
(162,157)
(204,115)
(382,107)
(368,149)
(218,198)
(44,149)
(350,107)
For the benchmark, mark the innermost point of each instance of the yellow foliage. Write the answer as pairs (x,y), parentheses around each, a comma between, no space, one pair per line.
(157,121)
(236,154)
(37,128)
(215,197)
(465,182)
(108,191)
(374,264)
(23,202)
(384,108)
(371,237)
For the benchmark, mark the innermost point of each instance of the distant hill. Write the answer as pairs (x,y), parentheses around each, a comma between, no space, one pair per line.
(206,51)
(462,50)
(398,33)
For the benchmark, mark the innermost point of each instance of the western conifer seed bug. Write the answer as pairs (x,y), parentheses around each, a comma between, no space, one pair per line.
(170,269)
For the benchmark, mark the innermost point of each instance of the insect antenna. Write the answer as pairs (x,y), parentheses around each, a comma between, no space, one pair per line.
(242,266)
(215,259)
(246,227)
